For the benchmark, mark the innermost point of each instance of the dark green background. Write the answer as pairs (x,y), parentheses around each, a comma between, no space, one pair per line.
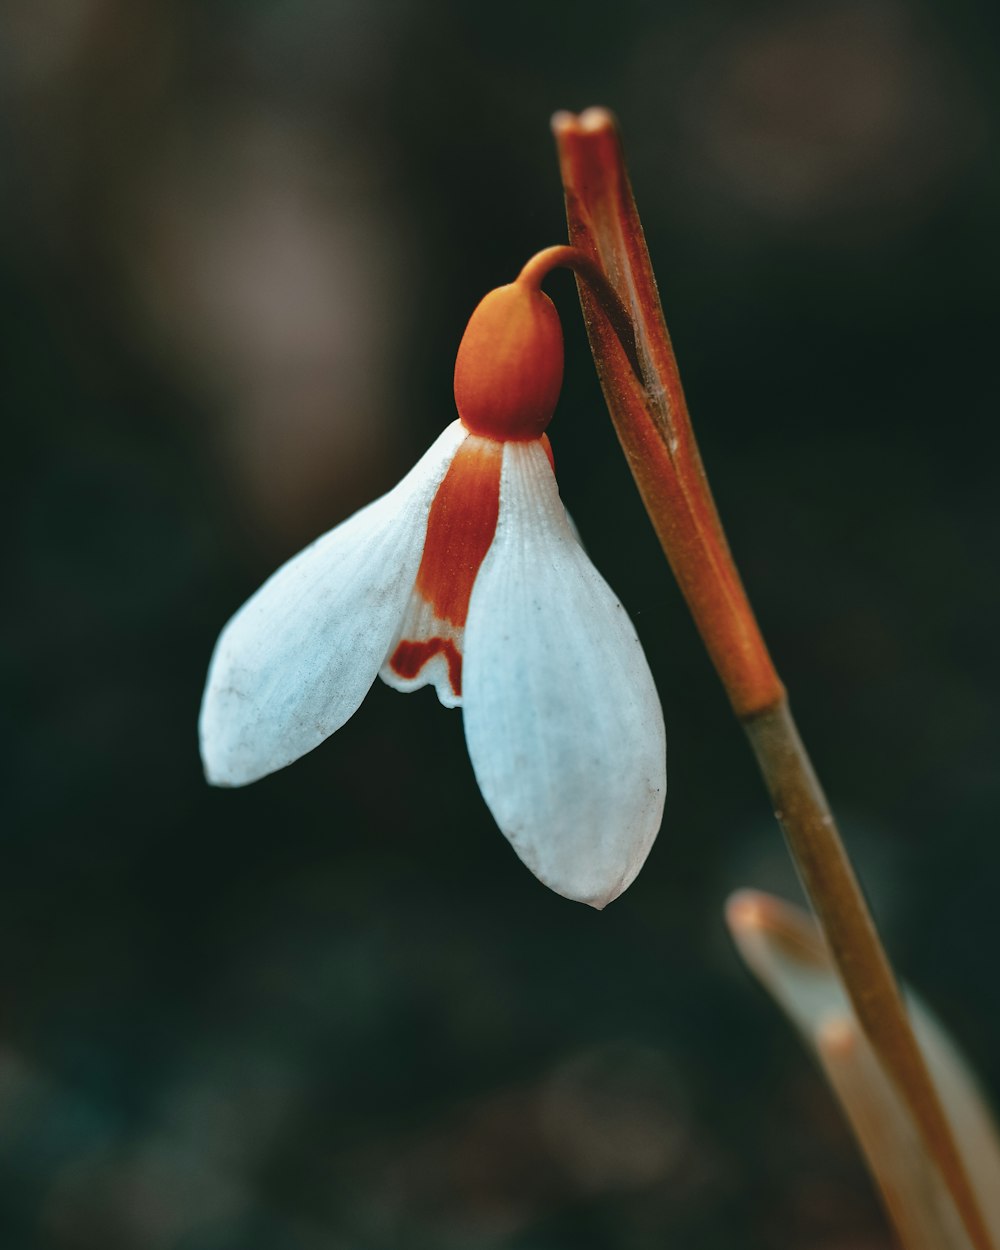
(239,245)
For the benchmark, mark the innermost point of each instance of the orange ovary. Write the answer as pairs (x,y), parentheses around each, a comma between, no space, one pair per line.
(509,368)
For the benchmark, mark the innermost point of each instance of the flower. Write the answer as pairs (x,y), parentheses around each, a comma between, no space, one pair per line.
(467,576)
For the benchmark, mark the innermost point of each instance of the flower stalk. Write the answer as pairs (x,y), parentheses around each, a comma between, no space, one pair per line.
(646,401)
(589,272)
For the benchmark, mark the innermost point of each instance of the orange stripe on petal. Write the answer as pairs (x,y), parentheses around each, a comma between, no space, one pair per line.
(460,528)
(461,525)
(410,657)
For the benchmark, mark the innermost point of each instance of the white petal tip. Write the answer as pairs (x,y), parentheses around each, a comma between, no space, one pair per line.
(229,761)
(218,773)
(601,900)
(593,889)
(222,780)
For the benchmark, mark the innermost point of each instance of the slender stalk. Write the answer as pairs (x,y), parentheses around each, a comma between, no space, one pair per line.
(562,256)
(652,422)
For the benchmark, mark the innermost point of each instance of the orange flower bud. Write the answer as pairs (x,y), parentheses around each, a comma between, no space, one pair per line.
(510,364)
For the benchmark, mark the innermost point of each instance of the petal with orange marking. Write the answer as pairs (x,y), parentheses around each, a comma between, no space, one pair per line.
(562,719)
(426,652)
(460,528)
(297,659)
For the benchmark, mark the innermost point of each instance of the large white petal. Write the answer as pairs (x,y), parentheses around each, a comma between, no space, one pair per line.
(297,659)
(562,719)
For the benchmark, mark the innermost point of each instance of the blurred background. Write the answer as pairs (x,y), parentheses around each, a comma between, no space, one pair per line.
(239,242)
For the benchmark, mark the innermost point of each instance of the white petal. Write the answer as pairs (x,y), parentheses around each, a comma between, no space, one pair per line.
(562,719)
(298,658)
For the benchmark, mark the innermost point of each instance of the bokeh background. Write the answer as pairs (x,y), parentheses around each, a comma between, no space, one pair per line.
(239,241)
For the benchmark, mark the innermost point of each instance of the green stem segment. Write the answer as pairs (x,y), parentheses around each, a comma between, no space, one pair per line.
(651,419)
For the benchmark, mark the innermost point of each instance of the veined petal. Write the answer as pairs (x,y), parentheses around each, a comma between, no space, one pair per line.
(562,719)
(297,659)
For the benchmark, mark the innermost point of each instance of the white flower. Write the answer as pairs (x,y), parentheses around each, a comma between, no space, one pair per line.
(468,576)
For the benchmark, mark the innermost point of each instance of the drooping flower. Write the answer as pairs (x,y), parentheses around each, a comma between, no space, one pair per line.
(467,576)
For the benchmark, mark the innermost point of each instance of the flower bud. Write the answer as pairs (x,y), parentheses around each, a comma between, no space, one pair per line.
(510,364)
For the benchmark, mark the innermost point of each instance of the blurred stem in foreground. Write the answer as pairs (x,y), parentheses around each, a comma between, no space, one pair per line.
(784,949)
(654,429)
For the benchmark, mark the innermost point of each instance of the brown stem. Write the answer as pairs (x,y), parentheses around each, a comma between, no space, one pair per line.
(654,428)
(650,414)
